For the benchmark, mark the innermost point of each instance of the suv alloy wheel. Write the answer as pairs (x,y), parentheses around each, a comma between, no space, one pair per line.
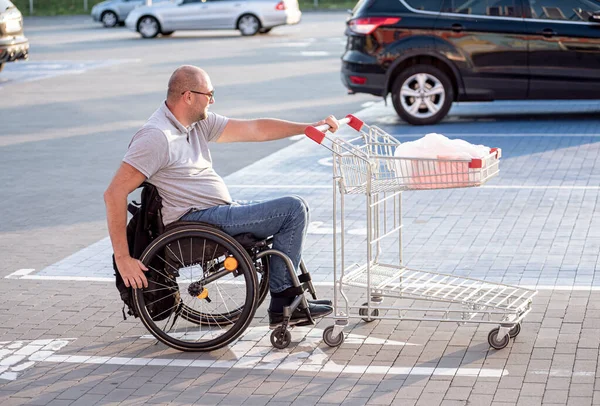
(422,94)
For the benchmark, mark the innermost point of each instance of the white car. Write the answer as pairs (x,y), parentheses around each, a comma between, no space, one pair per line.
(248,16)
(113,12)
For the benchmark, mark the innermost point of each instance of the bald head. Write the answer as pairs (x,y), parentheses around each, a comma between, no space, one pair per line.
(184,78)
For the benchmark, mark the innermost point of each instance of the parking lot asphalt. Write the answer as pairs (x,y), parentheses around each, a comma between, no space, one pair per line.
(535,225)
(69,113)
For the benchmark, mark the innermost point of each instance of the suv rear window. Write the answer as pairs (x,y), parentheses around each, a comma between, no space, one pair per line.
(5,4)
(506,8)
(427,5)
(573,10)
(379,6)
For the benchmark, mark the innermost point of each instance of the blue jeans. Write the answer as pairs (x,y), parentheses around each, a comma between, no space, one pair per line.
(284,218)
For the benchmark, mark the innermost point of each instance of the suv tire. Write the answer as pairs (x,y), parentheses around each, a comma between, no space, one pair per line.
(427,90)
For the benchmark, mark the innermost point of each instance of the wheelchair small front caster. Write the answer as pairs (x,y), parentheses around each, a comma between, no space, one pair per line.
(281,338)
(330,340)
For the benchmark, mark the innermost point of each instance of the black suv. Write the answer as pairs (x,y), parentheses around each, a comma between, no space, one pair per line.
(13,44)
(429,53)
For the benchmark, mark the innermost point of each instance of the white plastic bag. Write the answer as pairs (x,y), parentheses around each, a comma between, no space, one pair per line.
(418,173)
(435,146)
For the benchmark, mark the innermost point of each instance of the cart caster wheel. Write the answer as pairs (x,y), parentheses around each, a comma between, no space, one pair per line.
(329,340)
(496,342)
(514,332)
(364,312)
(278,341)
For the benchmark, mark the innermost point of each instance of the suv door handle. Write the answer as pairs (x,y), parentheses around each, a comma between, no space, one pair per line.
(457,27)
(548,32)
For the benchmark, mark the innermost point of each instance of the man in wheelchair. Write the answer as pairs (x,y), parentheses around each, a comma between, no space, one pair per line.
(171,152)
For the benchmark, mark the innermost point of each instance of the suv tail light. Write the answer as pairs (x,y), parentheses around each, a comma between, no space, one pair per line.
(280,6)
(358,80)
(369,24)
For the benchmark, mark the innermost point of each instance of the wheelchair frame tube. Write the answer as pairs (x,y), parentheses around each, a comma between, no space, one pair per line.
(288,262)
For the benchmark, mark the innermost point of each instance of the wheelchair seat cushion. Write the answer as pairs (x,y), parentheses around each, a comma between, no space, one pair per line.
(246,240)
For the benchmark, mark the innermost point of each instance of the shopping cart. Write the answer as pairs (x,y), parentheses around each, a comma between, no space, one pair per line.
(366,166)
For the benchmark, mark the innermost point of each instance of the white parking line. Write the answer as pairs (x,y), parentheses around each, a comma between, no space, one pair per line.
(254,187)
(62,278)
(20,273)
(504,135)
(325,162)
(15,275)
(313,340)
(293,363)
(563,373)
(565,187)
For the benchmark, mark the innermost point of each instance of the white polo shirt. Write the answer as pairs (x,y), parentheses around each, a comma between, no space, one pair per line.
(177,161)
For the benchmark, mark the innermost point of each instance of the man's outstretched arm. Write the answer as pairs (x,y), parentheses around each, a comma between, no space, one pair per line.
(126,180)
(267,129)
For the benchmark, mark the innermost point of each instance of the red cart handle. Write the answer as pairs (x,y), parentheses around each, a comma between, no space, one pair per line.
(317,134)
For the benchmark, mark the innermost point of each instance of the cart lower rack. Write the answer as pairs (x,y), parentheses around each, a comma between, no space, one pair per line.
(480,301)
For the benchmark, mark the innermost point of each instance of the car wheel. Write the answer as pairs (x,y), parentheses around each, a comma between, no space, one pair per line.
(167,33)
(248,25)
(265,30)
(109,19)
(422,95)
(148,27)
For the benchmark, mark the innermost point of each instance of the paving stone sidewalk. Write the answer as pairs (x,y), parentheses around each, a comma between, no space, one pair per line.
(66,344)
(62,342)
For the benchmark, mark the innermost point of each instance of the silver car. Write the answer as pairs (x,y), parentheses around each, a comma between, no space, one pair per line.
(113,12)
(247,16)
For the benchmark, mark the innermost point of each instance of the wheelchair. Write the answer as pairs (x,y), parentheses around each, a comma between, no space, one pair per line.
(213,283)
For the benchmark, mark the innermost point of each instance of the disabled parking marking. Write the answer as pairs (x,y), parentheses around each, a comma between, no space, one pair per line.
(17,356)
(29,71)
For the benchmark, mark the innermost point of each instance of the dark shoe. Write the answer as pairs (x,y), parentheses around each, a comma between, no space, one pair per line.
(299,316)
(325,302)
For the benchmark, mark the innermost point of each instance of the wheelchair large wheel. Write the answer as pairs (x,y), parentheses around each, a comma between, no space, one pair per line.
(210,284)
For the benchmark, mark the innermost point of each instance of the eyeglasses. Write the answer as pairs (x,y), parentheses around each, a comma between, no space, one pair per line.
(211,94)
